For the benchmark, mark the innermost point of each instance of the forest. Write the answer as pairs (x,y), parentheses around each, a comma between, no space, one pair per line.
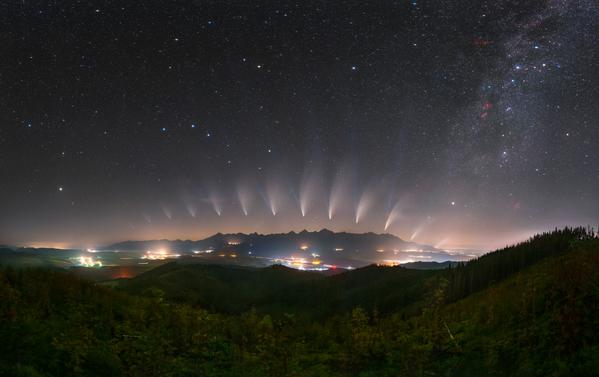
(525,310)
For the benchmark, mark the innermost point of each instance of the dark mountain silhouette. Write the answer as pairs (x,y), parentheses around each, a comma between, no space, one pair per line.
(333,246)
(429,265)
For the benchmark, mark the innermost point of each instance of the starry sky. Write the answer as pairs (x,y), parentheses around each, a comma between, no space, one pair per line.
(460,124)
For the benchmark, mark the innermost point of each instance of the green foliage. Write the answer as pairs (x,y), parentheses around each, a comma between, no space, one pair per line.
(279,290)
(496,266)
(506,314)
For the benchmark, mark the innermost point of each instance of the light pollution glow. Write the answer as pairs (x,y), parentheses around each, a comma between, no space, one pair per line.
(340,206)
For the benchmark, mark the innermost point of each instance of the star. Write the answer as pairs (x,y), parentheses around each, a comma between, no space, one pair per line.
(60,188)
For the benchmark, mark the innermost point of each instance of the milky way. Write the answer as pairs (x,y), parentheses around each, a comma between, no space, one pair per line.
(461,124)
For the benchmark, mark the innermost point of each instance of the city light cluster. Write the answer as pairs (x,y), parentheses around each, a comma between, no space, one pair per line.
(89,262)
(304,264)
(159,255)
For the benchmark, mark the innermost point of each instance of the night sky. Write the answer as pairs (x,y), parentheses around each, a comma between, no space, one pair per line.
(454,123)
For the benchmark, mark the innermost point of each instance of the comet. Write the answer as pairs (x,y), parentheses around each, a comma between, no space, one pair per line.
(334,200)
(274,198)
(244,198)
(304,200)
(273,207)
(167,212)
(336,194)
(191,209)
(390,219)
(363,206)
(188,202)
(396,211)
(308,188)
(421,227)
(439,244)
(416,232)
(216,205)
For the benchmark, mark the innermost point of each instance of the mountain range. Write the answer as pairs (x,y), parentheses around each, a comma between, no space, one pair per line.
(332,246)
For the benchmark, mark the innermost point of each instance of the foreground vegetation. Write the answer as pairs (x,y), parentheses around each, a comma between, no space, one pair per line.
(527,310)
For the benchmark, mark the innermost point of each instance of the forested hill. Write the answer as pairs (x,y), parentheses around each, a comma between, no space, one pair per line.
(278,289)
(527,310)
(500,264)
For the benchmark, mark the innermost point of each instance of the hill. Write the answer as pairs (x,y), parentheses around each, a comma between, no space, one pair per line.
(277,289)
(539,321)
(229,289)
(429,265)
(527,310)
